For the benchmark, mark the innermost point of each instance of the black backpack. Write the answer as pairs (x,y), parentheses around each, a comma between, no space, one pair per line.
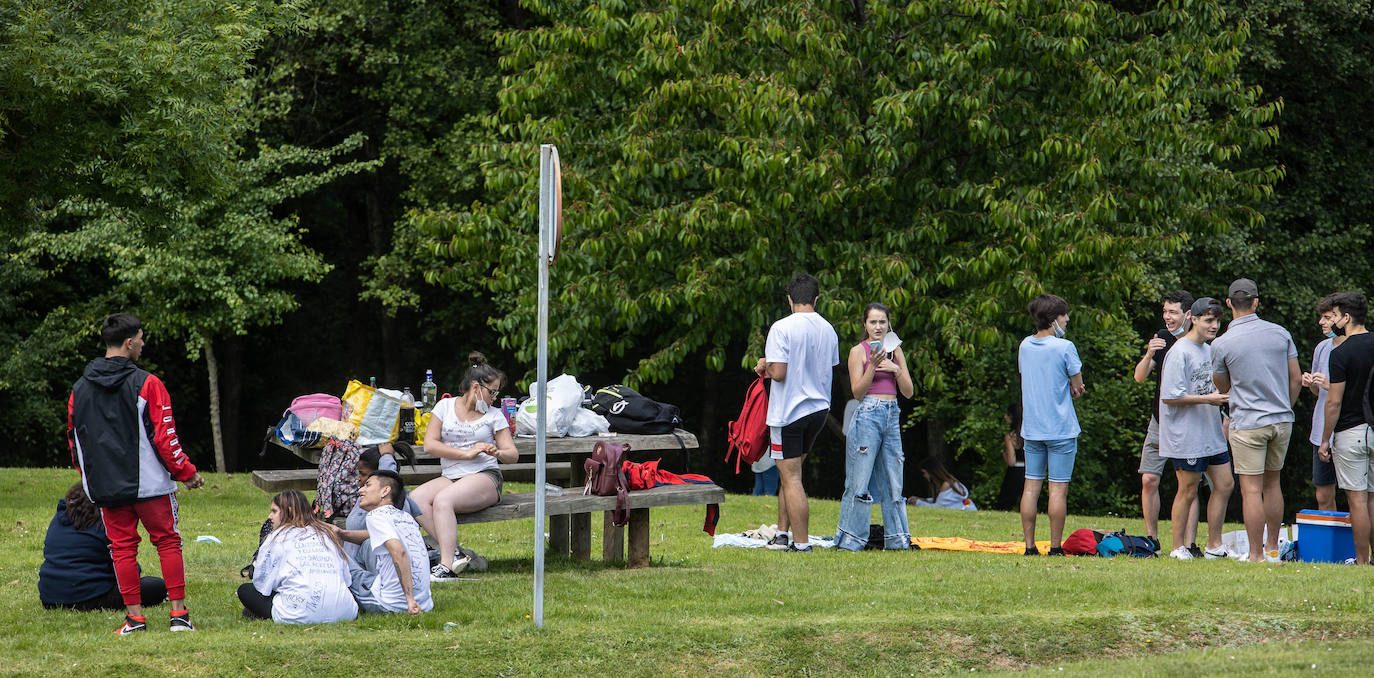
(629,412)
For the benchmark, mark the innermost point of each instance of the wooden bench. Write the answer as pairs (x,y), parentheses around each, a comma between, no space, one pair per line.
(276,480)
(579,507)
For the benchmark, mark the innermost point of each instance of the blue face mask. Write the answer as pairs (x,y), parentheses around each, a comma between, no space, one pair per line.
(1058,330)
(1330,334)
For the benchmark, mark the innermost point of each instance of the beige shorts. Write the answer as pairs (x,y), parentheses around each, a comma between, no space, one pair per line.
(1257,450)
(1350,454)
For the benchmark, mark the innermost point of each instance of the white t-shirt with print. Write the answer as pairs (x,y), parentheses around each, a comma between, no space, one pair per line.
(1188,431)
(811,349)
(385,523)
(309,576)
(455,432)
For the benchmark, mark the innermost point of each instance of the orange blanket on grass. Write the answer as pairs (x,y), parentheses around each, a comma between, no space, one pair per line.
(1015,548)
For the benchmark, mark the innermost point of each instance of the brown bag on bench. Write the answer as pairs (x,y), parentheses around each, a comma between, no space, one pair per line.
(606,477)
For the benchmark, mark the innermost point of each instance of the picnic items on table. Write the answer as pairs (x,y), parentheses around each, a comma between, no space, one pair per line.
(376,412)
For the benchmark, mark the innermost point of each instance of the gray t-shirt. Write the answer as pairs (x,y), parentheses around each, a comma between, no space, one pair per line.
(1255,354)
(1188,431)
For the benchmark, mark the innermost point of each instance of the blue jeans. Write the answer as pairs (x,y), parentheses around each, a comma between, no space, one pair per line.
(873,464)
(1054,456)
(766,483)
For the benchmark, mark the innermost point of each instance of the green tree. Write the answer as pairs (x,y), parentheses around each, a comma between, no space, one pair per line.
(951,159)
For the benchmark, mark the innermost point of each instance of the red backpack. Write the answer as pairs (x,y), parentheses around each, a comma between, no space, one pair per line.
(748,436)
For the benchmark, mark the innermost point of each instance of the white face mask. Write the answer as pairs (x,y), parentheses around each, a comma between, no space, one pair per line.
(1058,330)
(482,406)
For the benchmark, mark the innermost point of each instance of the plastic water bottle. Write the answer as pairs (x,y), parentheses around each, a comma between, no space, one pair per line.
(407,415)
(372,381)
(429,391)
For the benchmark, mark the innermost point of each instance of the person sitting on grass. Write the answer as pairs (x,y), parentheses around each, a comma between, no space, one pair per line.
(373,459)
(471,439)
(300,575)
(77,571)
(946,490)
(1192,430)
(396,576)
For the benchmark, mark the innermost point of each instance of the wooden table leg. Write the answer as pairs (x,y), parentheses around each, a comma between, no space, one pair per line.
(639,538)
(612,540)
(577,471)
(558,534)
(582,536)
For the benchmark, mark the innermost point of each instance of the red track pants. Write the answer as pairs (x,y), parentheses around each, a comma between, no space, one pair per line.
(159,518)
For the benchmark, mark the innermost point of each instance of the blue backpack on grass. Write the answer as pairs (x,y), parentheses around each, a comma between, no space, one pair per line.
(1117,543)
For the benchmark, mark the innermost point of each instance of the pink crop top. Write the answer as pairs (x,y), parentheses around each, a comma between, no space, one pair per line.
(884,383)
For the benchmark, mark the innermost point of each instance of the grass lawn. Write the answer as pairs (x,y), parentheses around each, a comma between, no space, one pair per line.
(726,611)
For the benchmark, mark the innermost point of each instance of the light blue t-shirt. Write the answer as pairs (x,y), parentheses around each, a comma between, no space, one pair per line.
(1046,363)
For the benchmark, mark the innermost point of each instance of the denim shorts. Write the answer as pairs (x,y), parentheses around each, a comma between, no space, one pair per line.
(1200,464)
(1056,456)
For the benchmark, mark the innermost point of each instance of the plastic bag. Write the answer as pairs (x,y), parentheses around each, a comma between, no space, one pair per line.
(588,423)
(375,412)
(564,399)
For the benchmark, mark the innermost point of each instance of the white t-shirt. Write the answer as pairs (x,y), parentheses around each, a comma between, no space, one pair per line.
(1188,431)
(308,574)
(455,432)
(811,349)
(385,523)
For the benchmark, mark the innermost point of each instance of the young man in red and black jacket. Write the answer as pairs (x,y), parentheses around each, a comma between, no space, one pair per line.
(124,441)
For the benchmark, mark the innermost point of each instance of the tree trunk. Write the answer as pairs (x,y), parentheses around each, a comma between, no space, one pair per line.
(379,234)
(212,368)
(230,404)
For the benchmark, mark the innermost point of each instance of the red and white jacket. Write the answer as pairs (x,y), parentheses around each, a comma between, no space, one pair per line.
(122,434)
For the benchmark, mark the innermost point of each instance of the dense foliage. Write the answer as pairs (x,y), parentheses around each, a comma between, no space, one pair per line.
(951,159)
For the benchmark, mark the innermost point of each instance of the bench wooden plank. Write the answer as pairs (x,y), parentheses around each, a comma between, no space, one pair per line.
(554,446)
(276,480)
(519,505)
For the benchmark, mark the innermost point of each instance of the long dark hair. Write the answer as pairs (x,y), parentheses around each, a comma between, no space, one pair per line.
(863,321)
(295,511)
(479,372)
(80,510)
(939,475)
(1014,414)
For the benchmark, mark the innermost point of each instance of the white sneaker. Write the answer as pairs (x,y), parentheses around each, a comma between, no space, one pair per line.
(439,573)
(1218,554)
(1181,553)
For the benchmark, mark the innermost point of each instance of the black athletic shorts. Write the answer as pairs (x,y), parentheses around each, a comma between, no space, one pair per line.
(795,439)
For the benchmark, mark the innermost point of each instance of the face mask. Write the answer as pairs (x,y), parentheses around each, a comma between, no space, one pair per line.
(1182,327)
(482,406)
(1340,330)
(1330,334)
(1058,330)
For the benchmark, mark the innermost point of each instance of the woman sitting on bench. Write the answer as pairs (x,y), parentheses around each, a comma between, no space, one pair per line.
(471,438)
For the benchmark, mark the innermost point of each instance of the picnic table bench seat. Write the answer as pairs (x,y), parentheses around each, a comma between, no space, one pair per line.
(305,479)
(573,504)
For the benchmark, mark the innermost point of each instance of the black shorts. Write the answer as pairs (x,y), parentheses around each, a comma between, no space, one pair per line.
(795,439)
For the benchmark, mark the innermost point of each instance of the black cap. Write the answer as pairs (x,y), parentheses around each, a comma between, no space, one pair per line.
(1205,304)
(1243,287)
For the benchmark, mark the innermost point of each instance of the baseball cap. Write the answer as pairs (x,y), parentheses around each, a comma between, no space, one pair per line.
(1205,305)
(1243,287)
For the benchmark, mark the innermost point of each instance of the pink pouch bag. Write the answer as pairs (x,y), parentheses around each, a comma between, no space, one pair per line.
(308,408)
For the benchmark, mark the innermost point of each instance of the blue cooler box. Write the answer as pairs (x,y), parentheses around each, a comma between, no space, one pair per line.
(1325,537)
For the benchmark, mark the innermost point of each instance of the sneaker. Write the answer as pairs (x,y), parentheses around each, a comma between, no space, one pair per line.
(1056,551)
(1271,556)
(182,622)
(439,573)
(1032,551)
(1218,554)
(1349,561)
(792,548)
(779,542)
(132,625)
(1182,553)
(1193,549)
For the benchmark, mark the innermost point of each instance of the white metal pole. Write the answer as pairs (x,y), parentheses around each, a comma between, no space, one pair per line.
(546,217)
